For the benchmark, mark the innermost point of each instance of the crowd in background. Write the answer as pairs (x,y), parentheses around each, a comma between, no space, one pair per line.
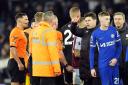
(8,9)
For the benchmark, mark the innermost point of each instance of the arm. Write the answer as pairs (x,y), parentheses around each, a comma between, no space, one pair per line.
(118,45)
(14,54)
(62,58)
(65,63)
(60,50)
(76,31)
(92,50)
(126,58)
(51,40)
(30,42)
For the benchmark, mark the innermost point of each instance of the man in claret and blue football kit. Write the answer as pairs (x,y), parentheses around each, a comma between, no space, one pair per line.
(109,45)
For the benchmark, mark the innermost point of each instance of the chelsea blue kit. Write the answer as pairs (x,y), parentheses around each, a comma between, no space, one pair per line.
(109,46)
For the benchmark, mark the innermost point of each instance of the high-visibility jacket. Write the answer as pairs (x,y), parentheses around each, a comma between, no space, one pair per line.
(28,31)
(59,42)
(45,54)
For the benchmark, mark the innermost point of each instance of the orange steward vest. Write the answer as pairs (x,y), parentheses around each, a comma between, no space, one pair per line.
(45,55)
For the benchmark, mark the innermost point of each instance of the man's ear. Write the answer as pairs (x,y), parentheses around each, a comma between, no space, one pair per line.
(19,20)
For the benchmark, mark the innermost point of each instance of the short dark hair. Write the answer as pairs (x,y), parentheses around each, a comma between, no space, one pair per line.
(120,13)
(103,13)
(20,15)
(90,14)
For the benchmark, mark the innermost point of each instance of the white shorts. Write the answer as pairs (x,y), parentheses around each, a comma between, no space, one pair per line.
(76,77)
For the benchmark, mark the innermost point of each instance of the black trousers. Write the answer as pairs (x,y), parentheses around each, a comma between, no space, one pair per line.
(123,75)
(43,81)
(15,73)
(68,76)
(92,81)
(30,68)
(60,80)
(68,55)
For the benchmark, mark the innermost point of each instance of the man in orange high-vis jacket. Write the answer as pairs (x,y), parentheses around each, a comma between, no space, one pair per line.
(28,66)
(62,58)
(60,46)
(60,79)
(18,54)
(38,17)
(45,56)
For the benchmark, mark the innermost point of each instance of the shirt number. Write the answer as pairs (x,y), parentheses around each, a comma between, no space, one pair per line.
(69,35)
(116,80)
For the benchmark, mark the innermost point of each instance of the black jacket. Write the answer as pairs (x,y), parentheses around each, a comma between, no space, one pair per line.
(124,39)
(85,34)
(67,41)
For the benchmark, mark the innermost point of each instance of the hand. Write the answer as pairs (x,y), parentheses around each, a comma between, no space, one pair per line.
(93,72)
(28,54)
(75,19)
(21,66)
(113,62)
(69,68)
(57,73)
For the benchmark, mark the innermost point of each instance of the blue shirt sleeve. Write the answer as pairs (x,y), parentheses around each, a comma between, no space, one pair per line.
(126,58)
(92,49)
(118,45)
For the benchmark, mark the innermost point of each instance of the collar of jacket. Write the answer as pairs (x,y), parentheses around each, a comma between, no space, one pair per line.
(45,24)
(92,29)
(124,28)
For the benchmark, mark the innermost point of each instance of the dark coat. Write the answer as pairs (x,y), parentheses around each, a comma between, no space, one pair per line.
(85,34)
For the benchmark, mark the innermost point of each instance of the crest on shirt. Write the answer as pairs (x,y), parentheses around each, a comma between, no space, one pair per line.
(117,33)
(126,35)
(112,35)
(69,25)
(86,31)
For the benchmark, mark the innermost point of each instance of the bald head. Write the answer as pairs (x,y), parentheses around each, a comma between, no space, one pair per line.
(48,16)
(55,22)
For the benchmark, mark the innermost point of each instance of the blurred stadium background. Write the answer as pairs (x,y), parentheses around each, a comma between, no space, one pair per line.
(8,9)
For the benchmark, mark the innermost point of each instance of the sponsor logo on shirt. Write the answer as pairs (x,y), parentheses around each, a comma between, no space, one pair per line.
(69,25)
(107,44)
